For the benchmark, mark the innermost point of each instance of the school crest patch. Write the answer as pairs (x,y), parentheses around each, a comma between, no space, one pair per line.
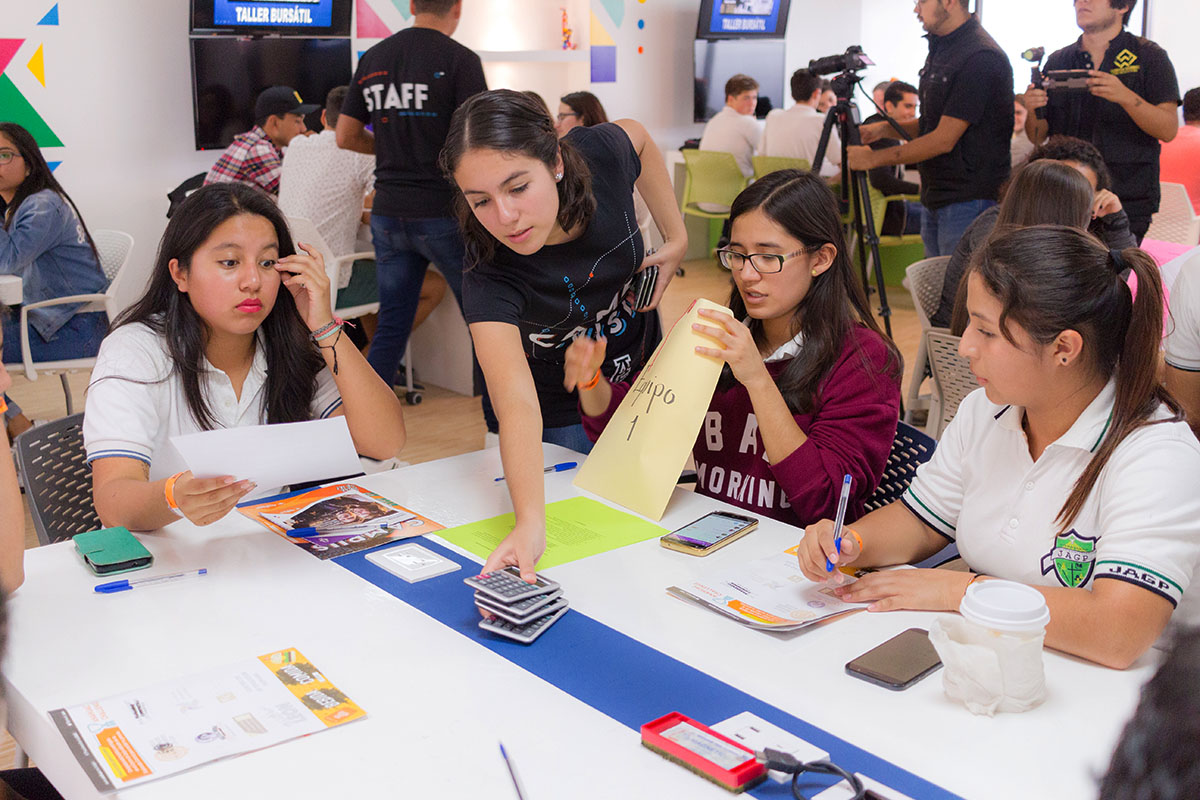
(1072,559)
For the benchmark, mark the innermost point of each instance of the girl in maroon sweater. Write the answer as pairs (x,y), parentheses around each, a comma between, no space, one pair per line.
(810,391)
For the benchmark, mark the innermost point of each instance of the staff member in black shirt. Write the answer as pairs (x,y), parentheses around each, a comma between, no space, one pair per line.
(963,133)
(1129,105)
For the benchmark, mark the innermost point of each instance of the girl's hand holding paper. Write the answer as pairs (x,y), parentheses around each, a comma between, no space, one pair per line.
(206,500)
(738,348)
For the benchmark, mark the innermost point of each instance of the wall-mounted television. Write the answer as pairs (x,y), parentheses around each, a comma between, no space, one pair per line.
(274,17)
(228,73)
(742,19)
(718,60)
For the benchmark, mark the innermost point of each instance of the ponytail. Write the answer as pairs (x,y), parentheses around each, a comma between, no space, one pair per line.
(1052,278)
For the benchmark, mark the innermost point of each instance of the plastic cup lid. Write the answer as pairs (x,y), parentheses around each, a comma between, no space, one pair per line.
(1005,606)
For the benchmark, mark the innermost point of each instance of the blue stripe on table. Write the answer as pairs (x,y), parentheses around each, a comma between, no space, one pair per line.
(622,677)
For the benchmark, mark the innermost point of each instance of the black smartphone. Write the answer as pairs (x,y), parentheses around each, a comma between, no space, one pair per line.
(899,662)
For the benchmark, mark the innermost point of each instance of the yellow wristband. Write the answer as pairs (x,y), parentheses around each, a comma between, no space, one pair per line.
(169,491)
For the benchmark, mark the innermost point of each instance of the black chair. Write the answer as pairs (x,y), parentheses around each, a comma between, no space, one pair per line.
(180,193)
(58,480)
(910,449)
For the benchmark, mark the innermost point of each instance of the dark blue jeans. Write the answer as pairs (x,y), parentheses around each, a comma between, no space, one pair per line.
(80,337)
(942,228)
(403,250)
(570,436)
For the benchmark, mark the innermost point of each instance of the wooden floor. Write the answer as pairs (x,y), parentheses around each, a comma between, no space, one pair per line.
(449,424)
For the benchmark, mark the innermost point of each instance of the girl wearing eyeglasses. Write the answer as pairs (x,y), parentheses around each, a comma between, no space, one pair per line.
(43,241)
(810,391)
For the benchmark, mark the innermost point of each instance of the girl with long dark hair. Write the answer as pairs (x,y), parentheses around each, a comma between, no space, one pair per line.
(578,108)
(1071,470)
(215,343)
(552,251)
(809,380)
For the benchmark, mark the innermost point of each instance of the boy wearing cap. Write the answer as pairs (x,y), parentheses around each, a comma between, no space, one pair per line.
(256,156)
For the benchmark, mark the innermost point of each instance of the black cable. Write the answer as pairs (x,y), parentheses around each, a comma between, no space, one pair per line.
(787,763)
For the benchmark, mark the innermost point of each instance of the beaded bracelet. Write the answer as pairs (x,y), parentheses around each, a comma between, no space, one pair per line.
(583,387)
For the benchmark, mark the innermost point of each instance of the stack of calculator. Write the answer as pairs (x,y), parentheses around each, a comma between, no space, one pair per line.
(518,610)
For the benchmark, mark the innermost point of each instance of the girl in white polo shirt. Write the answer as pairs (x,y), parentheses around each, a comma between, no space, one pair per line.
(1071,470)
(214,343)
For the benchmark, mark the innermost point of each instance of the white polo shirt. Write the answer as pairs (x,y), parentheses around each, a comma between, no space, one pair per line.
(1183,337)
(796,133)
(135,401)
(731,132)
(1139,524)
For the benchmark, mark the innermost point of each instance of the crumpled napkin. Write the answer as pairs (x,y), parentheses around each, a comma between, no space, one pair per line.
(989,671)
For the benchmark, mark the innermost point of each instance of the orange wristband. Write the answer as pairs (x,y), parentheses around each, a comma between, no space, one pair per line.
(583,387)
(169,491)
(3,405)
(857,538)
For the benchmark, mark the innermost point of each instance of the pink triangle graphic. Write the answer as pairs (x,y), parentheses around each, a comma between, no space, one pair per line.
(8,49)
(370,26)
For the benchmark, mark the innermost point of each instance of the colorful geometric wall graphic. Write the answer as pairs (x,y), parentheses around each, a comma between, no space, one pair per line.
(370,26)
(37,65)
(8,49)
(603,53)
(53,165)
(51,17)
(615,9)
(15,108)
(402,7)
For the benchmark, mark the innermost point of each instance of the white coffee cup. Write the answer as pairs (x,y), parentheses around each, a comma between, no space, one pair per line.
(992,654)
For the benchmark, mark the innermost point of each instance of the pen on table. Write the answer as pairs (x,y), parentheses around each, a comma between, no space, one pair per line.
(125,585)
(512,771)
(839,520)
(310,532)
(563,467)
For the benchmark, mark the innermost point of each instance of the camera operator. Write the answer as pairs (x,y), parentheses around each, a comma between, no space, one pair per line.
(963,133)
(1129,104)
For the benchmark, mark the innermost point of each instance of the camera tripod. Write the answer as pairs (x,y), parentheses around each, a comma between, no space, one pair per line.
(855,192)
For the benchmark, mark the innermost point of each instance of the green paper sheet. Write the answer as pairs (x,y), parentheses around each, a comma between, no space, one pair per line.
(575,529)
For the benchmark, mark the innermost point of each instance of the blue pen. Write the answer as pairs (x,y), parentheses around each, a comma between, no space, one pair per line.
(345,530)
(563,467)
(512,771)
(837,522)
(125,585)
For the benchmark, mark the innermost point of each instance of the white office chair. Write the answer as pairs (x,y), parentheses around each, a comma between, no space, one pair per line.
(114,248)
(1176,220)
(924,280)
(952,379)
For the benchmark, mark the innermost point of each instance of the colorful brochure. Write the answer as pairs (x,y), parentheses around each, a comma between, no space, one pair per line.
(349,517)
(769,594)
(140,736)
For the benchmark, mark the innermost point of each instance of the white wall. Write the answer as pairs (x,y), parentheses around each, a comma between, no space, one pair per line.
(1174,24)
(118,95)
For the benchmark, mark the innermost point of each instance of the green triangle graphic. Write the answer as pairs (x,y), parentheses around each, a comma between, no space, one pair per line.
(15,108)
(402,7)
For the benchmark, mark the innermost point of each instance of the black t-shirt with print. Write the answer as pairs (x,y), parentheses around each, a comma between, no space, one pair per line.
(1130,153)
(407,88)
(576,288)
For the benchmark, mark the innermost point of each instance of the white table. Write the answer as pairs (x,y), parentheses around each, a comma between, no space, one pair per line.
(438,701)
(10,290)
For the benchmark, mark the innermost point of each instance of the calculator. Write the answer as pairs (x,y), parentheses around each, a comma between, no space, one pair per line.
(508,613)
(505,585)
(522,633)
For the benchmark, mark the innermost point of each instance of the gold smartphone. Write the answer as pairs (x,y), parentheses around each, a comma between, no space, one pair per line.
(709,533)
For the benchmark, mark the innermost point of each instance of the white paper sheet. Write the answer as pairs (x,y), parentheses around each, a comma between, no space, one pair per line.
(273,455)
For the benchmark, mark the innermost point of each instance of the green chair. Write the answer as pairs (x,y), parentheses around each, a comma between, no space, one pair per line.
(879,203)
(764,165)
(714,180)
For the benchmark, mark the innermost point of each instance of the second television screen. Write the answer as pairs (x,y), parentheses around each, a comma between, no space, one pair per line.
(718,60)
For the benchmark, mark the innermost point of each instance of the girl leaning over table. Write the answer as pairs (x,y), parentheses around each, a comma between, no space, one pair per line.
(552,248)
(810,391)
(1071,470)
(215,343)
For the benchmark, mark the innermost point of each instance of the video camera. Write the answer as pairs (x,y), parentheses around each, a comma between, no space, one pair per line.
(850,61)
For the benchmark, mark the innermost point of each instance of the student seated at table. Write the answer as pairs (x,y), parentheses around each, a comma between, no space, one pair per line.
(44,242)
(810,391)
(215,343)
(1071,470)
(12,510)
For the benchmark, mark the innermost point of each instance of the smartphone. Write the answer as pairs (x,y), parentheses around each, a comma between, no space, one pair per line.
(709,533)
(899,662)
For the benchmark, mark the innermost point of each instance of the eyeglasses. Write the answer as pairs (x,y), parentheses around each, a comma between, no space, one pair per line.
(763,263)
(7,156)
(562,117)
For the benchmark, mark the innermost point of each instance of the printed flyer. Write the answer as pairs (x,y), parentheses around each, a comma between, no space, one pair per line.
(140,736)
(769,594)
(348,518)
